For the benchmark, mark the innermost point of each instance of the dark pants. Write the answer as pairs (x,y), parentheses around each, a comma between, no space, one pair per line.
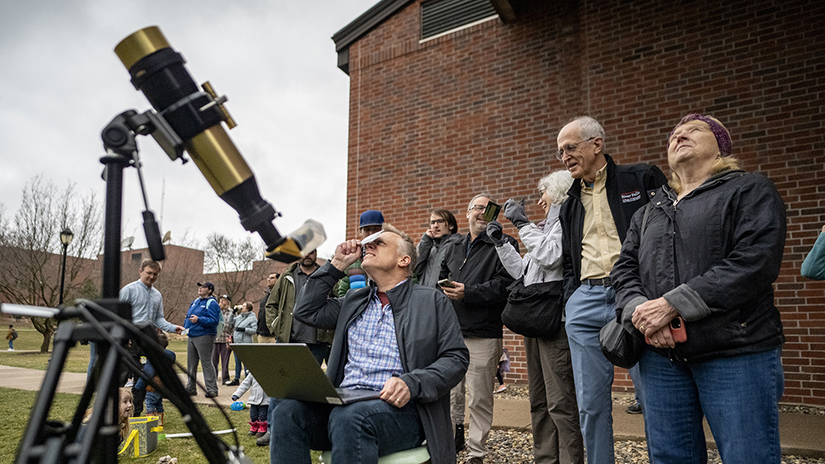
(199,349)
(359,432)
(221,354)
(321,352)
(258,412)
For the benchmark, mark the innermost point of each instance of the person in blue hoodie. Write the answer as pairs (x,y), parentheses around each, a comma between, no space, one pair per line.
(201,325)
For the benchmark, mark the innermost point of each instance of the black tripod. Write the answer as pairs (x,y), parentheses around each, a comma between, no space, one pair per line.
(96,439)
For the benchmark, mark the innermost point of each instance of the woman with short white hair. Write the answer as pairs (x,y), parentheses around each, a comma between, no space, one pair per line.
(553,409)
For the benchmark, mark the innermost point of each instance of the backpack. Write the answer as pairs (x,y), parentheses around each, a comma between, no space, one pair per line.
(14,334)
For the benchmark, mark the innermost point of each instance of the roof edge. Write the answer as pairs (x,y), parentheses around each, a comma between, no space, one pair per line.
(366,22)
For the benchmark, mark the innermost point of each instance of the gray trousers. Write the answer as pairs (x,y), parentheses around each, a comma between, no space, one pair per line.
(200,349)
(557,437)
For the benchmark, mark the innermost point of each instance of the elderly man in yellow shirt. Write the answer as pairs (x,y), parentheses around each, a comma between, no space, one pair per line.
(595,219)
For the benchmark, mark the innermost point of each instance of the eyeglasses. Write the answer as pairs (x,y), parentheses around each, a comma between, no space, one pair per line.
(570,148)
(477,208)
(437,221)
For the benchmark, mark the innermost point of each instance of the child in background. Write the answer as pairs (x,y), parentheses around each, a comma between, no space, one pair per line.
(154,400)
(124,412)
(258,404)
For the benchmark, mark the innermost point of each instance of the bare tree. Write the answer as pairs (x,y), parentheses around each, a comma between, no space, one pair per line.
(230,263)
(30,265)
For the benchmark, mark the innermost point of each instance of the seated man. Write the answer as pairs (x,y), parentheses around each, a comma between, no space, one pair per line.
(396,337)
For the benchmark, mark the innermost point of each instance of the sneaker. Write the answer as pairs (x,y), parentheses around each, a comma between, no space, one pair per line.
(501,388)
(192,393)
(264,440)
(634,408)
(234,382)
(211,395)
(459,437)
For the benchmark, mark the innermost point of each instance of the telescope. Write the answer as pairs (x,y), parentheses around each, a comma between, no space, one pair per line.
(188,119)
(184,119)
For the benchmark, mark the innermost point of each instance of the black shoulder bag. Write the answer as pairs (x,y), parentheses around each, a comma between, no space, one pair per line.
(534,310)
(619,346)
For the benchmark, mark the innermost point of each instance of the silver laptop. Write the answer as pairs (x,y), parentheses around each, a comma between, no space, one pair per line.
(290,371)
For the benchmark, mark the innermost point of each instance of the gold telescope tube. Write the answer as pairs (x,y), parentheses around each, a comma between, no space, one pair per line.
(210,146)
(195,116)
(218,159)
(140,44)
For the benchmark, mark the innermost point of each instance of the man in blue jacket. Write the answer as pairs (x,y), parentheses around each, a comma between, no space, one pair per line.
(201,326)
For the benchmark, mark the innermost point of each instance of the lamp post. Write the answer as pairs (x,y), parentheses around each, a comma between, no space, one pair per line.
(66,237)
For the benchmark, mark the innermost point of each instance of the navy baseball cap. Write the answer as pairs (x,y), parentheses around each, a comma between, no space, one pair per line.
(371,218)
(207,285)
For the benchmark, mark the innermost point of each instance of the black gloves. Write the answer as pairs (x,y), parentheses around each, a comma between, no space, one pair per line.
(494,232)
(514,211)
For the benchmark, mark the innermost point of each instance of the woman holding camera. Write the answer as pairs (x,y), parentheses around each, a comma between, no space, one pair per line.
(706,250)
(553,409)
(246,325)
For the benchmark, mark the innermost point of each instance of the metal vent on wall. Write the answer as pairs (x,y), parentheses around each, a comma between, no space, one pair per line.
(440,16)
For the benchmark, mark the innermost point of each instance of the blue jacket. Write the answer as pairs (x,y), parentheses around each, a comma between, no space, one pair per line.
(209,314)
(814,265)
(149,370)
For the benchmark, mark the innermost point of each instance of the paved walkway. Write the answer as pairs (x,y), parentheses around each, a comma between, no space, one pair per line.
(801,434)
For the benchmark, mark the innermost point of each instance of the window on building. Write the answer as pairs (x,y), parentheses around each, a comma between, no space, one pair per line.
(439,17)
(137,258)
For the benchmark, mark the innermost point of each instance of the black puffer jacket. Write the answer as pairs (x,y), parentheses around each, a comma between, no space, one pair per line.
(626,187)
(485,284)
(714,256)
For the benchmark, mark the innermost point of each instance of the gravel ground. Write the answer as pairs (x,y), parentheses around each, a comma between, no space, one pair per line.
(515,446)
(626,399)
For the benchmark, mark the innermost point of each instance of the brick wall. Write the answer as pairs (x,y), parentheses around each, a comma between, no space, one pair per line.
(433,123)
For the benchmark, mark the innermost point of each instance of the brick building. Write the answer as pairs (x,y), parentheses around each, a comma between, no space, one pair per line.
(443,107)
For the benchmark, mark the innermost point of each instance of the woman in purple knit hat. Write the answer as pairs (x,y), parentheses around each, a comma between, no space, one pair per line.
(695,280)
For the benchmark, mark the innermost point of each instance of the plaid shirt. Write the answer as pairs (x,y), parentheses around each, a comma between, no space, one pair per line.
(373,347)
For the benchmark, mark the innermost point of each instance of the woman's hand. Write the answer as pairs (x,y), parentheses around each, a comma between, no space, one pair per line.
(653,315)
(662,338)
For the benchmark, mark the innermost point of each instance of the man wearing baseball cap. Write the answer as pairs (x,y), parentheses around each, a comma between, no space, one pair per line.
(369,223)
(201,323)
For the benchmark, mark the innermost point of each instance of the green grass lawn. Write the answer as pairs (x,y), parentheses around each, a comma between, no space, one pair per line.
(27,347)
(15,405)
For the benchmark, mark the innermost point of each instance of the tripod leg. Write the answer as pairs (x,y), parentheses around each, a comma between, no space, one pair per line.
(35,432)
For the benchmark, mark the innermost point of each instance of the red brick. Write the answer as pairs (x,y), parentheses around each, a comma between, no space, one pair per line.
(433,123)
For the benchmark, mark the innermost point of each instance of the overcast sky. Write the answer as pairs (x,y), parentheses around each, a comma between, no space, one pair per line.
(61,83)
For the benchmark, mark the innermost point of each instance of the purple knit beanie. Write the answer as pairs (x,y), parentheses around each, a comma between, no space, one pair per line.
(719,131)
